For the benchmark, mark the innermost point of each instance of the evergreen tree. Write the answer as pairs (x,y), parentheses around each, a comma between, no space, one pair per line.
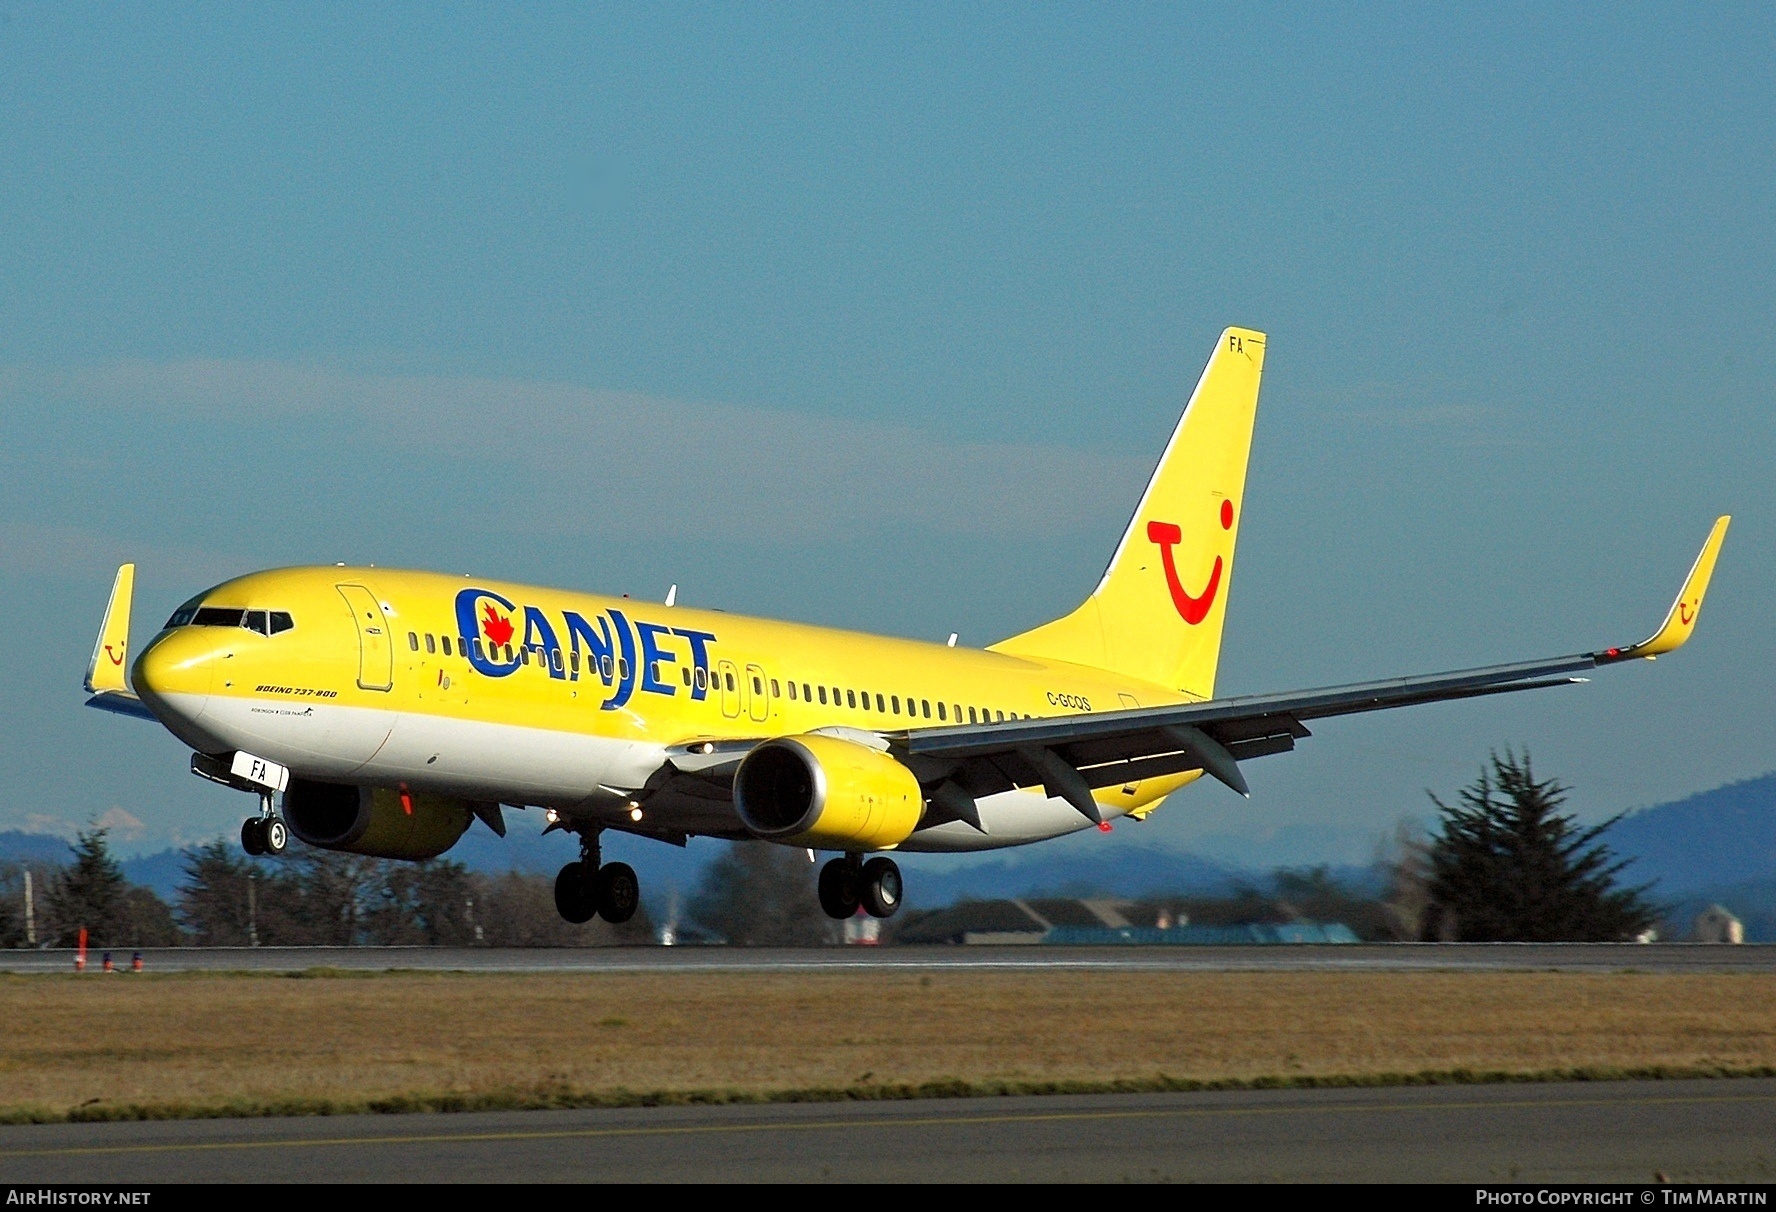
(1507,865)
(89,893)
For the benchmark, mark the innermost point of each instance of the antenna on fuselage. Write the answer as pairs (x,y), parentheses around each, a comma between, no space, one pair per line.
(952,642)
(672,595)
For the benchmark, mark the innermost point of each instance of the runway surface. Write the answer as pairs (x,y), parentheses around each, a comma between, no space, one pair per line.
(1701,1131)
(1495,957)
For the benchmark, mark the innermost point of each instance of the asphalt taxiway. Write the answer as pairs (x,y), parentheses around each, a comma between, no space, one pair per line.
(1398,957)
(1624,1132)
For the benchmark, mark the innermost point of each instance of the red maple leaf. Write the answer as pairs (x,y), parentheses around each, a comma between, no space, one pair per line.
(497,629)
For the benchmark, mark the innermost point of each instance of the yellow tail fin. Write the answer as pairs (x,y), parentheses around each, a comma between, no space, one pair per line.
(110,659)
(1157,614)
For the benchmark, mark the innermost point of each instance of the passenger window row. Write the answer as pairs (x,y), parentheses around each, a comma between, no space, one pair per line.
(919,708)
(546,659)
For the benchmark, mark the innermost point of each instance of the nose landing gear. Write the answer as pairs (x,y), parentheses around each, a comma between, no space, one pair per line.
(265,833)
(847,883)
(588,888)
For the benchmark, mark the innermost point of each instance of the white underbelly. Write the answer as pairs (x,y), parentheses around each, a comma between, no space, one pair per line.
(319,740)
(483,760)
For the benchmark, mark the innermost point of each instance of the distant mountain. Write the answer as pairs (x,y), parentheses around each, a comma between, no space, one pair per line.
(1714,839)
(162,871)
(1753,902)
(1116,870)
(932,880)
(19,847)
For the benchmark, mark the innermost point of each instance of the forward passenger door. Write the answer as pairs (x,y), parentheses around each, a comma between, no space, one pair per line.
(376,655)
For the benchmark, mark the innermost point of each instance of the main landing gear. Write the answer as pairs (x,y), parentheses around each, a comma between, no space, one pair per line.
(585,888)
(265,833)
(848,883)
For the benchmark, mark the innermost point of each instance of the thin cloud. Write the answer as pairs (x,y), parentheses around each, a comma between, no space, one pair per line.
(573,460)
(37,550)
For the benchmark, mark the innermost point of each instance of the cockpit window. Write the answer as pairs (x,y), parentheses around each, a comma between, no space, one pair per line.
(184,614)
(265,622)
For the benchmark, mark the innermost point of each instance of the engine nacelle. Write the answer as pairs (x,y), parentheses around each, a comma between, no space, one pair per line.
(374,820)
(827,793)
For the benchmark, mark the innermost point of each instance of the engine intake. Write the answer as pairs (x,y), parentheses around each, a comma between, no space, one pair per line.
(374,820)
(826,792)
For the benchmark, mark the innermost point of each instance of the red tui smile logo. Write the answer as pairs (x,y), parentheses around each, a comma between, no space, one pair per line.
(1686,613)
(1193,609)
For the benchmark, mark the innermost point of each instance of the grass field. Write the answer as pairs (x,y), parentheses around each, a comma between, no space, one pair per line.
(99,1046)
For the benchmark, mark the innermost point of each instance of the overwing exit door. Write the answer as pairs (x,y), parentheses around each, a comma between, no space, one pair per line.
(759,703)
(729,677)
(376,655)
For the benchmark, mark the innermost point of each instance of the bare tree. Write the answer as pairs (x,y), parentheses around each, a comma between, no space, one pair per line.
(761,895)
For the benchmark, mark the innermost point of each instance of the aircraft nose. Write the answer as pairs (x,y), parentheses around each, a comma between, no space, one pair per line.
(173,674)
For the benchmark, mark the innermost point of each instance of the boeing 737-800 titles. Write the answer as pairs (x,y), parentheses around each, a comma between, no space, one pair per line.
(391,710)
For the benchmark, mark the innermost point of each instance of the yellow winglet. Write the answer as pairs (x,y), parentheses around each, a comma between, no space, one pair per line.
(108,669)
(1681,619)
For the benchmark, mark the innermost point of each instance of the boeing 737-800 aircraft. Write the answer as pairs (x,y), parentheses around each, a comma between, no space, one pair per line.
(393,709)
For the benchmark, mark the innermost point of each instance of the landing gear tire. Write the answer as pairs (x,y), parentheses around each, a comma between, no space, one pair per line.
(880,887)
(839,892)
(275,833)
(618,892)
(573,894)
(253,836)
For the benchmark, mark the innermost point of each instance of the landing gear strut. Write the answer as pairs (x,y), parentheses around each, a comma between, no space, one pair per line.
(849,882)
(588,888)
(265,833)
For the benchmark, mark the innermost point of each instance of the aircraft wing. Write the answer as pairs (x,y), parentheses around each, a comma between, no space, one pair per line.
(1071,755)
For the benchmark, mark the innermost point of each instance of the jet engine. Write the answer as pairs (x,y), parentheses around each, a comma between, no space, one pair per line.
(827,793)
(379,821)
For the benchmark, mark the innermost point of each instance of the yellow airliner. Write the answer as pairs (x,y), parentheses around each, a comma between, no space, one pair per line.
(392,709)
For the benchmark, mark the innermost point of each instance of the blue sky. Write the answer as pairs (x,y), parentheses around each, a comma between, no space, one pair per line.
(879,316)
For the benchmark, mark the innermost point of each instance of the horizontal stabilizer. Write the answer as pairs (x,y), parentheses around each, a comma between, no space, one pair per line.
(120,702)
